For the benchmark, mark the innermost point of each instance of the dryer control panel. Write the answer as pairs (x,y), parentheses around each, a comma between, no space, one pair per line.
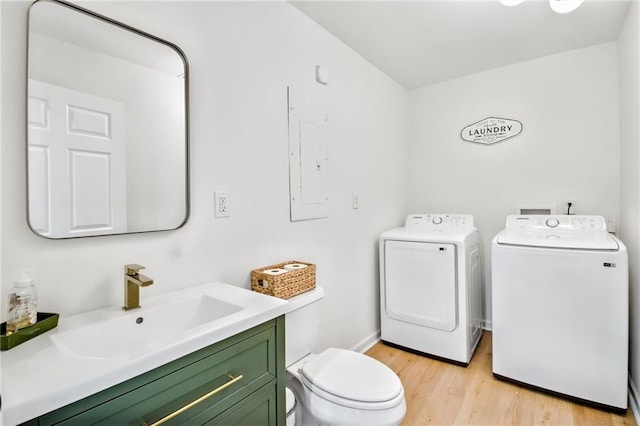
(558,222)
(429,222)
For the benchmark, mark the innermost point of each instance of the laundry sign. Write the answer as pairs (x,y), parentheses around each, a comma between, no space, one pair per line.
(491,130)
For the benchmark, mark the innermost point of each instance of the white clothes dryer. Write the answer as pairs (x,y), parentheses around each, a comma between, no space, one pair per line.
(430,286)
(560,307)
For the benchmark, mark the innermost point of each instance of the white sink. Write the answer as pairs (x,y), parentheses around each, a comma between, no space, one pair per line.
(143,329)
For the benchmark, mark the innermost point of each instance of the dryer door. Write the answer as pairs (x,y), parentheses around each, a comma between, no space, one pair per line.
(420,283)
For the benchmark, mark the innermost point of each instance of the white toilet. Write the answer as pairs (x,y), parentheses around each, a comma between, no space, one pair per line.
(337,386)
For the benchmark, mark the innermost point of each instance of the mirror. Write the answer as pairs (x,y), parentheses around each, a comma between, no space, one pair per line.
(107,129)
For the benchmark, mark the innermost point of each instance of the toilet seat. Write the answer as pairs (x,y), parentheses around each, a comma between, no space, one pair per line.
(352,379)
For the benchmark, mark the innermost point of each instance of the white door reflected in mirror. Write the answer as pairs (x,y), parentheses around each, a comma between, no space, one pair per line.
(83,135)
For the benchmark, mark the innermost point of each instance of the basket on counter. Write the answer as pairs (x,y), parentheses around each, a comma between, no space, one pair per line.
(274,281)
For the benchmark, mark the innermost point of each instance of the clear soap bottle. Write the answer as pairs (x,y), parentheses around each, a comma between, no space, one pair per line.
(23,306)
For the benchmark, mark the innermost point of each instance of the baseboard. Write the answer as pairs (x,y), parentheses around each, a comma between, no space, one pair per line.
(487,325)
(367,343)
(634,400)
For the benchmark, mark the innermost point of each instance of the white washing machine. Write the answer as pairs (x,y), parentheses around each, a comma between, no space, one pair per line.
(560,307)
(430,286)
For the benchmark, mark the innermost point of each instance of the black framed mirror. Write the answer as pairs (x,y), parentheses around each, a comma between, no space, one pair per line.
(107,131)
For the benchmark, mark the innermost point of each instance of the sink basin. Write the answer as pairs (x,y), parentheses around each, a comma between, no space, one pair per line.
(145,329)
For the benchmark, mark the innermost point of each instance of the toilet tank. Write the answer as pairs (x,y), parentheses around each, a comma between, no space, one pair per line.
(302,324)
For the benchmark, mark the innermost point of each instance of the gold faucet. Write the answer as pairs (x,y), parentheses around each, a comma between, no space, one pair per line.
(132,283)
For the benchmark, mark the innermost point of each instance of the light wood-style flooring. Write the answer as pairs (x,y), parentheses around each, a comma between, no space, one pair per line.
(440,393)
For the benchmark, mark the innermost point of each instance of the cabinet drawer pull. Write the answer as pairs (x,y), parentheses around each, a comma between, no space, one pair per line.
(232,381)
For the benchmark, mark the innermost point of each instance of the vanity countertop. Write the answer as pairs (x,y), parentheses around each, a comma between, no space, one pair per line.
(44,374)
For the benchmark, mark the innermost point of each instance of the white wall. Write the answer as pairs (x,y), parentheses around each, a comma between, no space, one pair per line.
(568,104)
(629,68)
(242,56)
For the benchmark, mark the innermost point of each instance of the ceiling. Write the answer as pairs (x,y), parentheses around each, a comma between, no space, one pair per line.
(418,43)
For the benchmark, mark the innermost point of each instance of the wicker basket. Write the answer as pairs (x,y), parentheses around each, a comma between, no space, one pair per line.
(287,284)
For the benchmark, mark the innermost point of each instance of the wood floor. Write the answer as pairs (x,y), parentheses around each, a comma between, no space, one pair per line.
(440,393)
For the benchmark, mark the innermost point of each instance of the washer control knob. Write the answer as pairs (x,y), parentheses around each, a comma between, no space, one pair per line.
(552,222)
(437,220)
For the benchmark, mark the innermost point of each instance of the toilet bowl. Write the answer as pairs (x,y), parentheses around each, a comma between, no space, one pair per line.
(336,386)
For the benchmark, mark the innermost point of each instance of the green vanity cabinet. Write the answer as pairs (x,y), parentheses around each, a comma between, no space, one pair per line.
(258,409)
(239,380)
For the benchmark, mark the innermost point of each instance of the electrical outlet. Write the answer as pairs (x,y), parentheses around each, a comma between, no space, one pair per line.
(222,204)
(355,201)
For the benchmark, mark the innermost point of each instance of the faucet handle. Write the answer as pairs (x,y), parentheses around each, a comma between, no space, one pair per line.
(132,268)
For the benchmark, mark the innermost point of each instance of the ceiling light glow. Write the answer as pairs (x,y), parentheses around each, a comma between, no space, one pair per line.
(564,6)
(511,2)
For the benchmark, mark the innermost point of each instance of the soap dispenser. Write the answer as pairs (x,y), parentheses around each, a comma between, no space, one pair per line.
(23,306)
